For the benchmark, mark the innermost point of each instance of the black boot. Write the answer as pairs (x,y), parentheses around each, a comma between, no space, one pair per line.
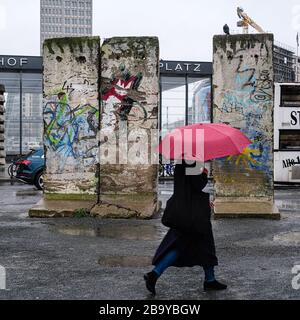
(214,285)
(150,279)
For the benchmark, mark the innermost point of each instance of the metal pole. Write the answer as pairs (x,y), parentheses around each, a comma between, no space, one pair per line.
(297,63)
(186,101)
(167,118)
(297,40)
(21,113)
(160,108)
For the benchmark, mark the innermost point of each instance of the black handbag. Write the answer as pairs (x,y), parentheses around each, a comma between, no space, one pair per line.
(175,217)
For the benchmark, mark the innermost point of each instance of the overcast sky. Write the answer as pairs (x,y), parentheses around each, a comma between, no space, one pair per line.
(184,27)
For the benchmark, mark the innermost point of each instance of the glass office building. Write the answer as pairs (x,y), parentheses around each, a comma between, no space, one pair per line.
(22,78)
(185,93)
(65,18)
(185,98)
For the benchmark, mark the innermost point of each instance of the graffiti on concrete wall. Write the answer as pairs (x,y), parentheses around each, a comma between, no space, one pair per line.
(249,100)
(123,101)
(71,132)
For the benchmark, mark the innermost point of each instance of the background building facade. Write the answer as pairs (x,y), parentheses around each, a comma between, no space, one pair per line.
(59,18)
(185,93)
(284,63)
(22,78)
(185,98)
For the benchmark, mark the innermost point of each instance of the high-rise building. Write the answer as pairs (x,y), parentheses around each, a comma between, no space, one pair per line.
(297,68)
(64,18)
(283,63)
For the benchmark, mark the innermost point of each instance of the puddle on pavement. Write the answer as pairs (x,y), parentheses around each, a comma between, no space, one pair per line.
(288,238)
(125,261)
(288,205)
(138,232)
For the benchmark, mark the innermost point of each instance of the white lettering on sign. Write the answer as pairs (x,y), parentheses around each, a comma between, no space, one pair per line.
(23,61)
(197,67)
(167,67)
(180,67)
(12,61)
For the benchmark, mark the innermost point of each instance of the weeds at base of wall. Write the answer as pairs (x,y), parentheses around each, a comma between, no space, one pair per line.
(81,213)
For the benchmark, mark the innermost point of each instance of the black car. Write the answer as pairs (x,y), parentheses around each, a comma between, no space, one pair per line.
(30,168)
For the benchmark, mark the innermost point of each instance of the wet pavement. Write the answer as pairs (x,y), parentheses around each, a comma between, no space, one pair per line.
(90,258)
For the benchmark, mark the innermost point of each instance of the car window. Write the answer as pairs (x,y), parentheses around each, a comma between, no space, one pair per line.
(38,153)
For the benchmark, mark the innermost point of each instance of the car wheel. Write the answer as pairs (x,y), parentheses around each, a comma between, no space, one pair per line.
(39,181)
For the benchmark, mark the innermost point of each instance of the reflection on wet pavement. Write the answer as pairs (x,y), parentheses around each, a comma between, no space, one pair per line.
(126,232)
(288,238)
(288,205)
(125,261)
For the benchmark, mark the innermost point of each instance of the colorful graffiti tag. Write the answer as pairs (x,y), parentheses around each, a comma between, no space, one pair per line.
(69,130)
(122,101)
(250,100)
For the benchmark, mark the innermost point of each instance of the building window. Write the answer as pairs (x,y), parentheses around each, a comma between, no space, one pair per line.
(289,139)
(74,21)
(74,29)
(199,100)
(173,107)
(74,12)
(290,96)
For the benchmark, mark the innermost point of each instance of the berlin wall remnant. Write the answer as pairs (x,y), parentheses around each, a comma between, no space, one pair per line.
(243,98)
(71,117)
(2,121)
(129,111)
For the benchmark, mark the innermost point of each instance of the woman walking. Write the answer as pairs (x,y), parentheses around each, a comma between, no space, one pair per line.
(189,241)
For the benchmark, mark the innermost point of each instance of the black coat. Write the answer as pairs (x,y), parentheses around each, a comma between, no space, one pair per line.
(187,214)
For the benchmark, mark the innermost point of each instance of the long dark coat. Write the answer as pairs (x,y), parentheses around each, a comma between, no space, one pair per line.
(192,233)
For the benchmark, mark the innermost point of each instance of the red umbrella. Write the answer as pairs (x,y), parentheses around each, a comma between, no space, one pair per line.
(202,142)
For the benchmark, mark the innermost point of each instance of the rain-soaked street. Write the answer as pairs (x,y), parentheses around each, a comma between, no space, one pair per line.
(89,258)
